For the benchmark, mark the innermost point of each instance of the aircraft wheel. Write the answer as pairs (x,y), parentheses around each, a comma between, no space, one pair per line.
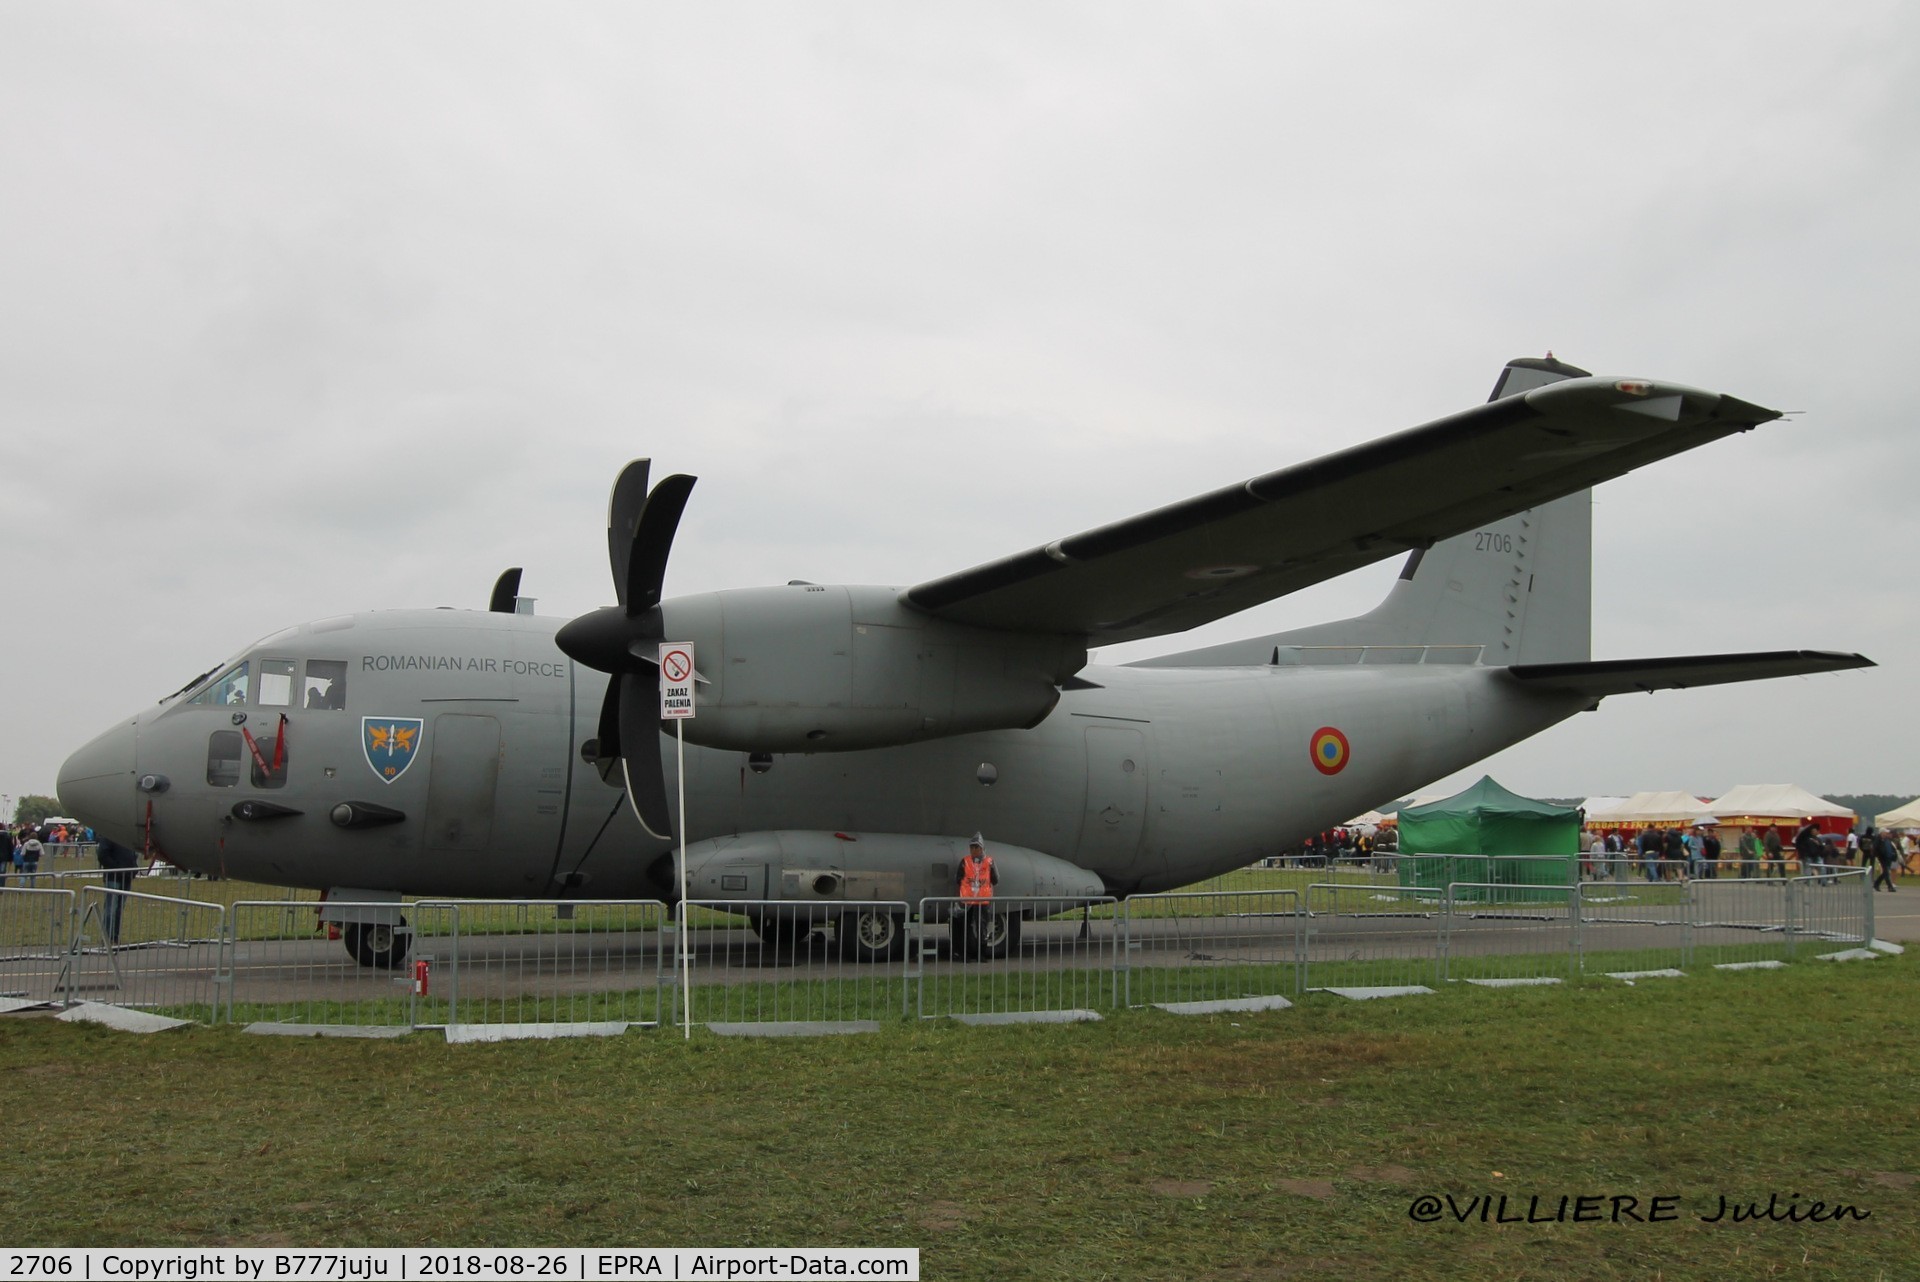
(378,943)
(872,935)
(985,935)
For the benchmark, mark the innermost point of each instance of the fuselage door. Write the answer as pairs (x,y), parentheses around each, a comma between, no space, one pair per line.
(464,779)
(1111,831)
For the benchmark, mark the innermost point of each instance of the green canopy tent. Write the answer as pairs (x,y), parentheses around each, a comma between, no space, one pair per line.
(1480,830)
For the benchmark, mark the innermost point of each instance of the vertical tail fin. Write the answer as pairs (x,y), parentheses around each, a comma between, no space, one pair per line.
(1520,589)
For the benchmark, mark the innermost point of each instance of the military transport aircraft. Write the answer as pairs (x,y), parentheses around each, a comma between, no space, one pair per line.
(848,739)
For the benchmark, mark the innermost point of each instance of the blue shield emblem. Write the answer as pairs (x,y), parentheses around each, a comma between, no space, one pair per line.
(391,743)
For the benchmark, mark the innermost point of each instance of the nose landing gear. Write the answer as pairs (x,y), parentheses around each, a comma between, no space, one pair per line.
(379,944)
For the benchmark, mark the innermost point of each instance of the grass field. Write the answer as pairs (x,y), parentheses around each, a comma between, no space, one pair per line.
(1148,1146)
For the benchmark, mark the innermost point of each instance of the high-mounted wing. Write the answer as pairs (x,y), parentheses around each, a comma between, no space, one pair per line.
(1220,553)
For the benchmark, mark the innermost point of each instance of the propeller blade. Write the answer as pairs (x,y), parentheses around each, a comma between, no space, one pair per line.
(506,589)
(608,735)
(624,506)
(640,753)
(652,541)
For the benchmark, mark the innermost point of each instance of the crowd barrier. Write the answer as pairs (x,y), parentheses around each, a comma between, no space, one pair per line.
(561,967)
(1024,956)
(36,938)
(807,965)
(1196,951)
(1506,933)
(285,966)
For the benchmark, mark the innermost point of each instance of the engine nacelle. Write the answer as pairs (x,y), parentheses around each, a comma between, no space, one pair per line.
(806,668)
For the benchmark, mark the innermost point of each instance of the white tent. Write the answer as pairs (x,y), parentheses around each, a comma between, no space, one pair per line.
(1599,808)
(1671,808)
(1775,802)
(1907,816)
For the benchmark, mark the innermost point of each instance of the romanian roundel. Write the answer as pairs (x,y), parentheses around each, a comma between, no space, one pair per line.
(1329,750)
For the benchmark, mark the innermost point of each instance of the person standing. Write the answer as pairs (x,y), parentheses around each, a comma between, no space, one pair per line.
(977,879)
(1710,851)
(1776,854)
(1749,855)
(1806,845)
(1676,856)
(1885,854)
(118,861)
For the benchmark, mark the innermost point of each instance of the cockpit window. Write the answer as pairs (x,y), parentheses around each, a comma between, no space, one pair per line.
(228,689)
(276,683)
(326,683)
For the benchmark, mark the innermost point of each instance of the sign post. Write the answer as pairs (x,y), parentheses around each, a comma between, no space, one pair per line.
(676,705)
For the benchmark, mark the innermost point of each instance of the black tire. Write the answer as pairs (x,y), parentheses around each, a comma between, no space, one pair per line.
(872,935)
(378,944)
(985,934)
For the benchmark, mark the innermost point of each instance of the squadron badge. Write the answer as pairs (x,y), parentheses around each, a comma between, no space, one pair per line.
(391,743)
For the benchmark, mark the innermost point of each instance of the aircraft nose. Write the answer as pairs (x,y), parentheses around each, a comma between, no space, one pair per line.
(96,783)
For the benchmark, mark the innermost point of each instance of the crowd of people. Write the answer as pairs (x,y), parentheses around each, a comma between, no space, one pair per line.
(24,845)
(1683,854)
(1665,853)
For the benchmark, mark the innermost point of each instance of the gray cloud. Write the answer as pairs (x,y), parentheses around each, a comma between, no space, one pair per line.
(321,308)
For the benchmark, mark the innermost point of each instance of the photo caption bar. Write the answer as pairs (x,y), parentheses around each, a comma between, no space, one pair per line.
(466,1264)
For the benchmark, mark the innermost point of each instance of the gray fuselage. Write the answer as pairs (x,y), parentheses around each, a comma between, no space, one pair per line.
(1154,778)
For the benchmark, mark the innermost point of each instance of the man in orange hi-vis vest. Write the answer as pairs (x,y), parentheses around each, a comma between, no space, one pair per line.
(978,877)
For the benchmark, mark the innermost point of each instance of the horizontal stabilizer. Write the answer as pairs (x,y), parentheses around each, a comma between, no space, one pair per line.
(1624,676)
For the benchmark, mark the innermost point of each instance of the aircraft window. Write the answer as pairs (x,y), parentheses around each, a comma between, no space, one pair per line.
(276,683)
(224,750)
(326,684)
(230,688)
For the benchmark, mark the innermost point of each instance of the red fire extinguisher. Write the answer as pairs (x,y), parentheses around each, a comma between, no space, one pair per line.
(421,970)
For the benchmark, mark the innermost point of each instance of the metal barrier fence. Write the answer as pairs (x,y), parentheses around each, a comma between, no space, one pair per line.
(819,965)
(1195,952)
(146,952)
(1025,957)
(1505,934)
(1835,908)
(1740,920)
(556,967)
(36,936)
(285,967)
(539,967)
(1632,925)
(1372,936)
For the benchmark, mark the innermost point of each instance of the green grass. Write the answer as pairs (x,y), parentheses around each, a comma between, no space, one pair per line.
(1148,1146)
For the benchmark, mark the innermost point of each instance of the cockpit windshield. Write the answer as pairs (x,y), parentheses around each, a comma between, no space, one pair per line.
(274,683)
(230,687)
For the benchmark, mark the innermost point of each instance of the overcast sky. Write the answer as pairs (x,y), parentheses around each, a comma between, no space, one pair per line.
(307,309)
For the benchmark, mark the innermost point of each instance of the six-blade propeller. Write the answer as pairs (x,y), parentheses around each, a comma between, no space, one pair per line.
(623,640)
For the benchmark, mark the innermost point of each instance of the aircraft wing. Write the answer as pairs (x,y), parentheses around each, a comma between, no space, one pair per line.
(1217,554)
(1623,676)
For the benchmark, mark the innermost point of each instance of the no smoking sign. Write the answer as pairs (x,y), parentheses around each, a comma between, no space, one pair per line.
(676,679)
